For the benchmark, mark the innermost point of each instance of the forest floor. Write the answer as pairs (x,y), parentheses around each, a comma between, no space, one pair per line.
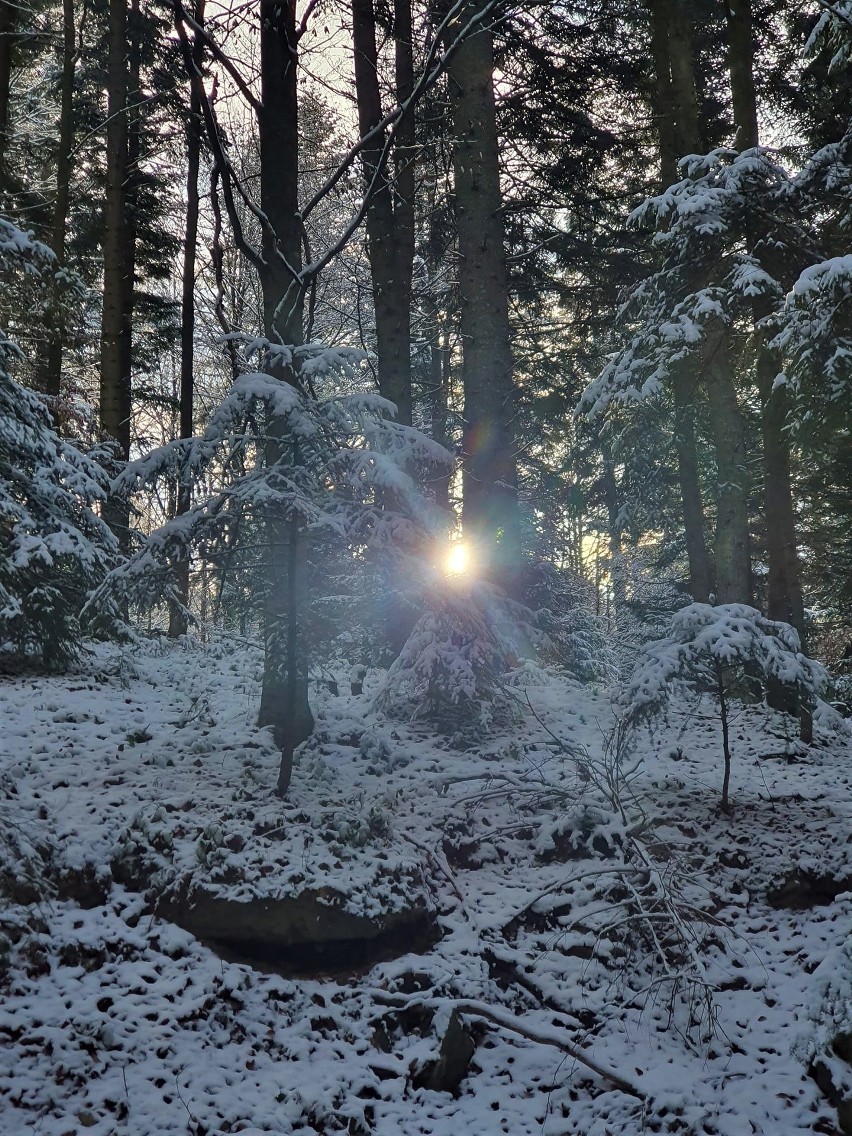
(558,914)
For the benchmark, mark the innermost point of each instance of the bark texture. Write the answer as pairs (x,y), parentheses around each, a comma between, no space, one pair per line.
(733,541)
(676,107)
(8,19)
(490,511)
(390,213)
(52,379)
(784,595)
(177,618)
(115,364)
(785,600)
(284,698)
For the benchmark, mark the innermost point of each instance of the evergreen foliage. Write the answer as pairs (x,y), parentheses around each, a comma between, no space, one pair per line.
(728,651)
(344,460)
(54,548)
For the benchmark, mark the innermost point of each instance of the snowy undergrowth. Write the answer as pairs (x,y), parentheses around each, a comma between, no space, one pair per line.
(114,1021)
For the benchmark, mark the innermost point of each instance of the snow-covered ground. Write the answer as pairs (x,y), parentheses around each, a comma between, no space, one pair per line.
(684,953)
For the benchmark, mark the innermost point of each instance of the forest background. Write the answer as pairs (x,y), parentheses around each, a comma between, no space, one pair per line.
(403,406)
(594,255)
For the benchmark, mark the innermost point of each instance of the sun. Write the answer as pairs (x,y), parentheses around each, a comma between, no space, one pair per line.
(458,559)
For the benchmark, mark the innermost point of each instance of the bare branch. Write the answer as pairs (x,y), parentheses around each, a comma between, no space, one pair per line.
(541,1034)
(180,14)
(303,24)
(391,121)
(214,137)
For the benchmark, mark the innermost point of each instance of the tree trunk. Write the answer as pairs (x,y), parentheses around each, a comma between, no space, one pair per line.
(676,107)
(700,567)
(722,697)
(490,511)
(733,542)
(785,600)
(284,698)
(177,616)
(404,184)
(390,231)
(617,566)
(663,95)
(115,366)
(740,65)
(52,381)
(438,398)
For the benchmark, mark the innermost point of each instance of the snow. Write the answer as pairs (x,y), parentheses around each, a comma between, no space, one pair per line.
(826,275)
(115,1021)
(733,637)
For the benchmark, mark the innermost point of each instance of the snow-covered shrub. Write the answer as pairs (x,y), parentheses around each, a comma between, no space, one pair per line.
(571,634)
(730,650)
(54,549)
(827,1047)
(450,670)
(24,853)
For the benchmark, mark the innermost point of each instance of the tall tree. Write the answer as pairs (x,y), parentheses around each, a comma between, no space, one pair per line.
(56,331)
(284,699)
(389,218)
(676,107)
(8,21)
(680,133)
(177,615)
(784,597)
(116,323)
(490,513)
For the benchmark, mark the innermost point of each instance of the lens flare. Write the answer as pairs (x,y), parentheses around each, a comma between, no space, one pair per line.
(458,559)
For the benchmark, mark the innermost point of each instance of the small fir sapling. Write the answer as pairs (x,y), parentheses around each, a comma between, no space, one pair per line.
(453,668)
(727,651)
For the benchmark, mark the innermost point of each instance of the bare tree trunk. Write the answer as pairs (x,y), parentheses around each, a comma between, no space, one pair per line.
(664,112)
(490,512)
(284,699)
(740,65)
(115,384)
(390,230)
(785,600)
(404,185)
(722,697)
(177,617)
(692,505)
(52,375)
(733,541)
(618,574)
(438,398)
(676,108)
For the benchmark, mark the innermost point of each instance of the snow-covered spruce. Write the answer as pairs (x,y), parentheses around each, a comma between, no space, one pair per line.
(54,549)
(729,651)
(702,221)
(350,453)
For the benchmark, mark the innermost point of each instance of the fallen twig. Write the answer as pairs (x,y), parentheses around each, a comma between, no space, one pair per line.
(540,1035)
